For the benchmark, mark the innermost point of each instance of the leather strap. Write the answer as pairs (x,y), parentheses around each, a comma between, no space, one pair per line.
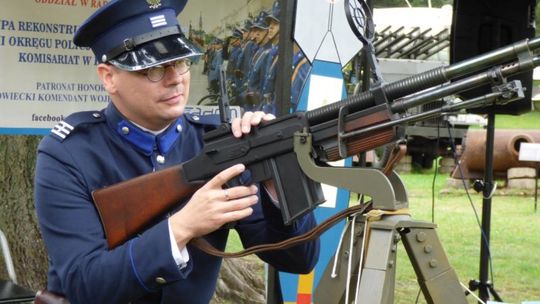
(376,215)
(203,245)
(396,155)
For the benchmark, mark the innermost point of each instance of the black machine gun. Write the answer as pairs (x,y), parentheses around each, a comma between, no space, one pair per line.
(360,123)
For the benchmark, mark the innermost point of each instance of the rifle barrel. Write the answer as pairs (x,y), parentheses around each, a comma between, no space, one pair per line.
(488,99)
(471,82)
(425,80)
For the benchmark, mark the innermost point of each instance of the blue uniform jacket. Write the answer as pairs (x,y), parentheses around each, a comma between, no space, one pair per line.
(259,64)
(301,71)
(91,150)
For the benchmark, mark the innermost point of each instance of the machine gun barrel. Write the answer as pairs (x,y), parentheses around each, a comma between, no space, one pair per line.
(471,82)
(506,93)
(425,80)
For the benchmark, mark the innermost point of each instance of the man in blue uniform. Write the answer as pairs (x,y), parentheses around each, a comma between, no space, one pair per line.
(214,65)
(268,83)
(300,69)
(249,48)
(235,48)
(258,63)
(144,66)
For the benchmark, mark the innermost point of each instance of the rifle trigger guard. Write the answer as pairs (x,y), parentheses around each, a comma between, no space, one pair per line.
(342,144)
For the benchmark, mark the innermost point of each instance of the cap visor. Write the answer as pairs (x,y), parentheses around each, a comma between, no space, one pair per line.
(272,18)
(156,52)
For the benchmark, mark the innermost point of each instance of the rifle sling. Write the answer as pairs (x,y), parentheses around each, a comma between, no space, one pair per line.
(396,155)
(203,245)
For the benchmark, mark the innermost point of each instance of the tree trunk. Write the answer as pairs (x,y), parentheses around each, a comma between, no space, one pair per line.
(17,213)
(239,282)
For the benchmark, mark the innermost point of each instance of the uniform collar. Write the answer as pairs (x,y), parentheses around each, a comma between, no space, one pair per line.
(141,139)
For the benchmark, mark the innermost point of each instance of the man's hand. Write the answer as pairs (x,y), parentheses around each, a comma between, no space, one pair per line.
(241,126)
(212,206)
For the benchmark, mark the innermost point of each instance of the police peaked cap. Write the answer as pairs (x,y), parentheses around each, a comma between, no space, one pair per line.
(274,16)
(260,22)
(247,25)
(136,34)
(237,34)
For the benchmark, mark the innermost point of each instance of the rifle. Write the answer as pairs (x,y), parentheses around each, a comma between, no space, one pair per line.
(224,104)
(360,123)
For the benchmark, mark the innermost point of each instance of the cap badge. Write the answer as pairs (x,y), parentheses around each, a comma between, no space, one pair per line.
(158,21)
(154,4)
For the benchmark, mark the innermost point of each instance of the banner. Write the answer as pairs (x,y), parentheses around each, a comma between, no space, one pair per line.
(44,76)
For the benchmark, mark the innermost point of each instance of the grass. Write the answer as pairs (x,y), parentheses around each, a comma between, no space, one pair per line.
(514,241)
(530,120)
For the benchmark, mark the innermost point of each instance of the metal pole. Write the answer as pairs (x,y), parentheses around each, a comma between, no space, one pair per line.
(283,101)
(285,53)
(366,76)
(484,286)
(7,257)
(486,210)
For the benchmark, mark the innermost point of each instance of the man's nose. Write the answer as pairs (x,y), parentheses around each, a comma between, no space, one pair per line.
(171,75)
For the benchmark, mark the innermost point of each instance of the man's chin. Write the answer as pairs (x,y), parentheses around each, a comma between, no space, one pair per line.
(173,111)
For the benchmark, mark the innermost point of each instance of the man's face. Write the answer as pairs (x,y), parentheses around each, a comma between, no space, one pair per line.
(259,35)
(273,29)
(153,105)
(252,34)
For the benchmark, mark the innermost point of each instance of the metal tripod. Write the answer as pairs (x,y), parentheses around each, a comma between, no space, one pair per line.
(483,285)
(437,279)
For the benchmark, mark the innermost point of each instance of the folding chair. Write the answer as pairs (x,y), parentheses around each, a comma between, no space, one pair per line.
(10,291)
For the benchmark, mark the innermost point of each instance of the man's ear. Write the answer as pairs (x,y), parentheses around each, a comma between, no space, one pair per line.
(106,73)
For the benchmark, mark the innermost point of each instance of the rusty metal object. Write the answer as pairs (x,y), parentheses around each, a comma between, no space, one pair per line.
(505,154)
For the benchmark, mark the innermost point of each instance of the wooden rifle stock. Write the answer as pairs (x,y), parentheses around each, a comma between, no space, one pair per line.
(130,206)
